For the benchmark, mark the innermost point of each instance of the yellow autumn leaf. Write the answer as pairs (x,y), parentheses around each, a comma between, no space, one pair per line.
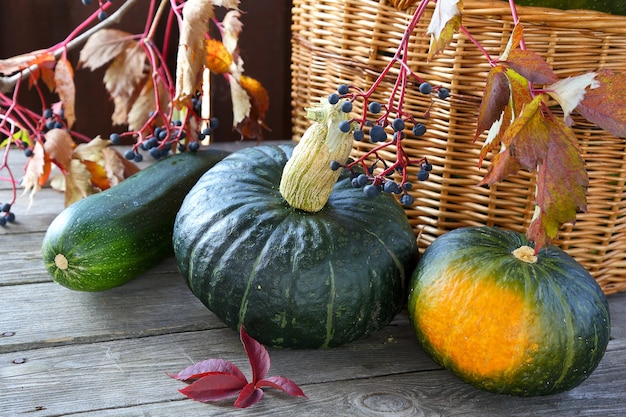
(218,59)
(253,124)
(445,21)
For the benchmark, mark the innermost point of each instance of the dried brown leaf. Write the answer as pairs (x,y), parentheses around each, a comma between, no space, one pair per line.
(77,182)
(65,88)
(59,147)
(19,62)
(191,52)
(36,172)
(116,166)
(104,46)
(145,103)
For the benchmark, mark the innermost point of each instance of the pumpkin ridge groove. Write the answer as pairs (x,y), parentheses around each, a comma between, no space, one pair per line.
(331,306)
(266,247)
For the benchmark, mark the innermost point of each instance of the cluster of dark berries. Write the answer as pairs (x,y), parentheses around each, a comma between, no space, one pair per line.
(375,184)
(51,120)
(158,143)
(427,88)
(6,215)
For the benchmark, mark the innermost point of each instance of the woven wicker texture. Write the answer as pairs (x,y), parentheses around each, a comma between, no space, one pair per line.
(350,41)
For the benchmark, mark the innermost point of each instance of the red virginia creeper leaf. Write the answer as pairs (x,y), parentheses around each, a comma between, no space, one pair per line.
(209,366)
(214,387)
(606,105)
(520,91)
(561,185)
(514,41)
(527,137)
(248,396)
(502,166)
(283,384)
(257,354)
(531,66)
(495,98)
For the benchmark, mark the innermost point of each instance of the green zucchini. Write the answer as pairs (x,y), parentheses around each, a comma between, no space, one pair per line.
(109,238)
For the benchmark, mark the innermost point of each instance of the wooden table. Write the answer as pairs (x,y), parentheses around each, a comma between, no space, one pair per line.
(66,353)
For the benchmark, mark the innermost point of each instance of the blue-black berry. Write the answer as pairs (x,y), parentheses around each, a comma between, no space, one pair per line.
(333,98)
(343,89)
(194,146)
(378,134)
(422,175)
(426,88)
(419,129)
(443,93)
(115,138)
(397,124)
(358,134)
(407,200)
(346,106)
(335,165)
(374,107)
(371,190)
(344,126)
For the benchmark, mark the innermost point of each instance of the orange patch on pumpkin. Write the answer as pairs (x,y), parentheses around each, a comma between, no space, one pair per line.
(476,327)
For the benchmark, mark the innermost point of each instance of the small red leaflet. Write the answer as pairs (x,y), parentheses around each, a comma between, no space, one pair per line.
(218,379)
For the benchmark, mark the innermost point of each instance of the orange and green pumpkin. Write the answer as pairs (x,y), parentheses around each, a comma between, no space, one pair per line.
(505,320)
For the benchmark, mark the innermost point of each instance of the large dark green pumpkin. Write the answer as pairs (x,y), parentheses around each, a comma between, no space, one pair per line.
(292,278)
(483,309)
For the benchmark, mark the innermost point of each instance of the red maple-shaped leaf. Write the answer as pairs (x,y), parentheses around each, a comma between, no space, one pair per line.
(561,184)
(495,99)
(531,66)
(606,105)
(218,379)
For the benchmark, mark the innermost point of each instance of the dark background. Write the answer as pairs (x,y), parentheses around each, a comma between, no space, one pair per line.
(27,25)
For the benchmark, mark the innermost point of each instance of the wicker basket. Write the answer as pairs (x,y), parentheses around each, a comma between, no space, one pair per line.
(350,41)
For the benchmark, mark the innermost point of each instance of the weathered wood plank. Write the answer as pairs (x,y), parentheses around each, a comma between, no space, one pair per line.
(127,378)
(41,315)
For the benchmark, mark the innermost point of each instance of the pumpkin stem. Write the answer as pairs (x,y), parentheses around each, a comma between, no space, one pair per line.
(526,254)
(307,179)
